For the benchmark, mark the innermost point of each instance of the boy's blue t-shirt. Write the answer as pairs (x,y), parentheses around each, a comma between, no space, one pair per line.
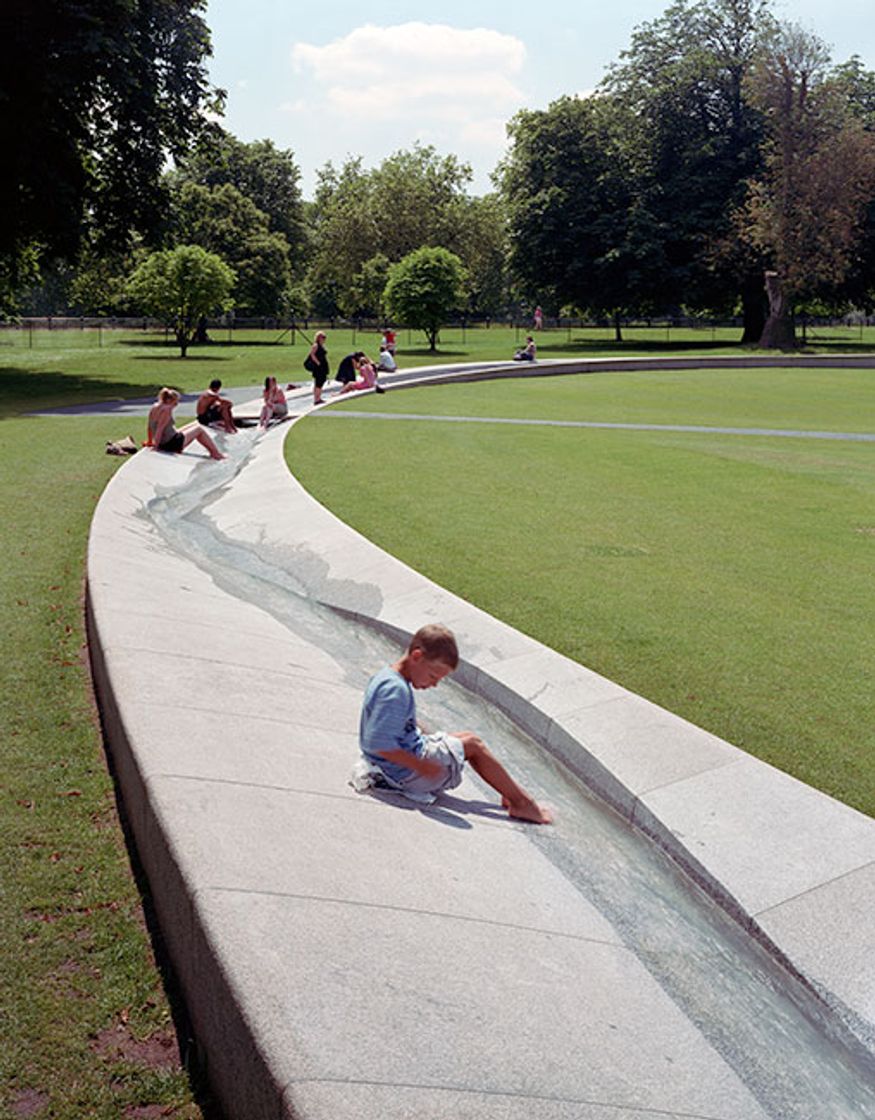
(388,721)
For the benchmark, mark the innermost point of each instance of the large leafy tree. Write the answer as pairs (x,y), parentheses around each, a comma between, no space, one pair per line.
(413,198)
(856,86)
(94,94)
(268,176)
(181,286)
(694,140)
(481,239)
(579,233)
(229,224)
(345,235)
(806,211)
(424,288)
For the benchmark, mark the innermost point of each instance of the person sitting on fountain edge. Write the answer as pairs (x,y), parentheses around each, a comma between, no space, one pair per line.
(396,753)
(212,408)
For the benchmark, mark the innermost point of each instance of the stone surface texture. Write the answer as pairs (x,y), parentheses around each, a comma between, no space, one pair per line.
(347,956)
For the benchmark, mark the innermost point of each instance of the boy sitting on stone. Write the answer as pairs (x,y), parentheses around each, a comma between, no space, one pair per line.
(396,753)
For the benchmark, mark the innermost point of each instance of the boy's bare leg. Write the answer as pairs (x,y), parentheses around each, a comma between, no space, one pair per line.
(513,797)
(227,419)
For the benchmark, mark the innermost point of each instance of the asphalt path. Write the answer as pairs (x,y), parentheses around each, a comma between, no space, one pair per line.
(140,406)
(790,433)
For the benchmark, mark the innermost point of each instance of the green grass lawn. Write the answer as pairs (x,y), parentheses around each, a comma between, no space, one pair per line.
(71,366)
(86,1025)
(728,578)
(619,520)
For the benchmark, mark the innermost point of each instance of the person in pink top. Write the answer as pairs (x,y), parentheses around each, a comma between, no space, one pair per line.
(367,376)
(275,406)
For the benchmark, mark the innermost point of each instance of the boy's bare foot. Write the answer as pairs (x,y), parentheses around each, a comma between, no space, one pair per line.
(527,809)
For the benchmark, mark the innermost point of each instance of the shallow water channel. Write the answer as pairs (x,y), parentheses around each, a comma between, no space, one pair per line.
(776,1036)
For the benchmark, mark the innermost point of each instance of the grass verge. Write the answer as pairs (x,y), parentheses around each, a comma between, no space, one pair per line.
(726,577)
(86,1025)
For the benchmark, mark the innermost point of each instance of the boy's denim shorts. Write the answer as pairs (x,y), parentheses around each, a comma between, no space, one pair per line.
(442,748)
(449,752)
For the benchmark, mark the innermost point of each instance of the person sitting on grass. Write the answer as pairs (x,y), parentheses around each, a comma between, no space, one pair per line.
(163,434)
(275,406)
(397,755)
(212,408)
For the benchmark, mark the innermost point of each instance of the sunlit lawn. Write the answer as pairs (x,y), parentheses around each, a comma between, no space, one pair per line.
(726,577)
(86,1028)
(45,368)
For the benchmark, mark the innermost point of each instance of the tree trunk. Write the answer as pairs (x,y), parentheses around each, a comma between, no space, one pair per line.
(753,309)
(779,333)
(182,342)
(618,328)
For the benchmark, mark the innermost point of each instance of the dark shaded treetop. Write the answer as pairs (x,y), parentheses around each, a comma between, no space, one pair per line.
(93,96)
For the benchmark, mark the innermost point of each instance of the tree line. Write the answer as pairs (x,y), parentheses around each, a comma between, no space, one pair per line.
(724,165)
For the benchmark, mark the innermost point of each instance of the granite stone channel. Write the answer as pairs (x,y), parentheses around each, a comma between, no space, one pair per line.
(776,1036)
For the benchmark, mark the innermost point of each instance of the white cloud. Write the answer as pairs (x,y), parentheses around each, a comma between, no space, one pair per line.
(426,72)
(378,89)
(371,54)
(486,133)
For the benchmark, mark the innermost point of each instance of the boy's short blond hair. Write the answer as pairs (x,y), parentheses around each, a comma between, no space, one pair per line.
(437,644)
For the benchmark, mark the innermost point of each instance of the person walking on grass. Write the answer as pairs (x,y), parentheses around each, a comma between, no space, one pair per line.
(397,755)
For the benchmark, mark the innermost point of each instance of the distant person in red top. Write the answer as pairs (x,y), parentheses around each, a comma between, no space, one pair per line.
(388,341)
(539,319)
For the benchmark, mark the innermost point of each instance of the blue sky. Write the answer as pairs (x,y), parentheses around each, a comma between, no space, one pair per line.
(369,78)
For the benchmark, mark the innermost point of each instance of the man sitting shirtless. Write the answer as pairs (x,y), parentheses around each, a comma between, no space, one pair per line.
(215,409)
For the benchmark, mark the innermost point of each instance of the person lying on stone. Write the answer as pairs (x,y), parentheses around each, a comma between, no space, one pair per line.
(397,755)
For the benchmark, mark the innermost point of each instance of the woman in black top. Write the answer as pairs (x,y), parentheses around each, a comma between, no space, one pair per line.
(348,369)
(317,363)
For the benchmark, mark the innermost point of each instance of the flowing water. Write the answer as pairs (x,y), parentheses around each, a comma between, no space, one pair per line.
(775,1035)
